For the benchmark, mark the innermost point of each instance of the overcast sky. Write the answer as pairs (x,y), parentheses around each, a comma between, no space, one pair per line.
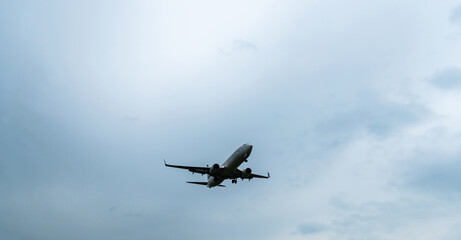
(354,107)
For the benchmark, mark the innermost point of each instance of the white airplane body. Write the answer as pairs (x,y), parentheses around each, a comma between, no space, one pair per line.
(228,170)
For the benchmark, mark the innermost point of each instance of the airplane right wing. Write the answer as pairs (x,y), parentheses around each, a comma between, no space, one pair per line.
(260,176)
(240,174)
(200,170)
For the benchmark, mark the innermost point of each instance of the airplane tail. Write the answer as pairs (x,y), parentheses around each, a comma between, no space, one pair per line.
(204,183)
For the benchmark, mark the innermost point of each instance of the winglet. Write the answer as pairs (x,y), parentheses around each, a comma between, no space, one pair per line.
(268,175)
(164,161)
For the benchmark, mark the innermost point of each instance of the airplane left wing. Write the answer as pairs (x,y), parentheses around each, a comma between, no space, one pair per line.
(204,183)
(200,170)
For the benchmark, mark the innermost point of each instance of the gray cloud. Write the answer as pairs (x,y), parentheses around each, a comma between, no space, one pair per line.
(371,115)
(310,228)
(455,15)
(454,233)
(244,45)
(381,220)
(435,174)
(449,78)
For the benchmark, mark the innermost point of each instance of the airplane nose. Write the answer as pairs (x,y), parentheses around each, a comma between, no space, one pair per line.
(248,145)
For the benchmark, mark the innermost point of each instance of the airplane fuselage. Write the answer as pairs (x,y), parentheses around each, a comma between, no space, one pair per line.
(228,168)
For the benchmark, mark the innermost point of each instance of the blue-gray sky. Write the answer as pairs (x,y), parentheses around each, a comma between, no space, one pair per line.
(353,106)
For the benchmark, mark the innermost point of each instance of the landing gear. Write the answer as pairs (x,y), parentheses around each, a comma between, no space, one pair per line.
(234,181)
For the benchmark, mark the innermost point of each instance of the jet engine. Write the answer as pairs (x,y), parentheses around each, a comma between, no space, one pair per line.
(246,173)
(214,170)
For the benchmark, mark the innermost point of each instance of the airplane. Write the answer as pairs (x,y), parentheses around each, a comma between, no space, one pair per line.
(228,170)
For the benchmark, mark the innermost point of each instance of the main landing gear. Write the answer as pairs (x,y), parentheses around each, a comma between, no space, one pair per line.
(234,181)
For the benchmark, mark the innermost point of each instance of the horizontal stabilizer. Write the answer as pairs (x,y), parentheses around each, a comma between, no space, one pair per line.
(204,183)
(201,183)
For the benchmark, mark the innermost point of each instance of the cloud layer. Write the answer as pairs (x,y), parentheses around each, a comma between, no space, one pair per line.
(352,107)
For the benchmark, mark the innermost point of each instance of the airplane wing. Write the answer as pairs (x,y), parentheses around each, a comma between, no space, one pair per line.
(204,183)
(239,173)
(201,170)
(260,176)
